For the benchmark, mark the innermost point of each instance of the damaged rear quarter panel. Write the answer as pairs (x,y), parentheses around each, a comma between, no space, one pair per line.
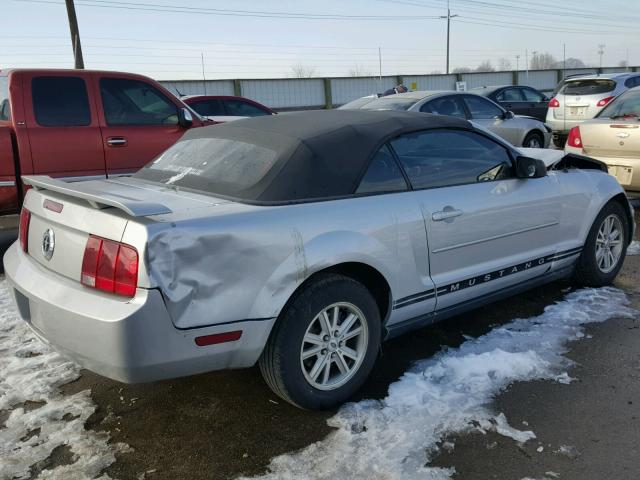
(245,264)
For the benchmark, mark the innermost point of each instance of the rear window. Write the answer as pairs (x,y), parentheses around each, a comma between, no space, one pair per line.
(215,165)
(588,87)
(390,103)
(5,112)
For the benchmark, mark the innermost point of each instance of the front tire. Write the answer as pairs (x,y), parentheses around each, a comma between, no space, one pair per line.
(533,140)
(605,249)
(324,343)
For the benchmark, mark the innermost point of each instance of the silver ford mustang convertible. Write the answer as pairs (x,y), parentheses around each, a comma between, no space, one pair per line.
(302,241)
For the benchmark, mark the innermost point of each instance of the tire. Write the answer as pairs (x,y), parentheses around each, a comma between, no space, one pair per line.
(559,142)
(592,270)
(281,363)
(533,138)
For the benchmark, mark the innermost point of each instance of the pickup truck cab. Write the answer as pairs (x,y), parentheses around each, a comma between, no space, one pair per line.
(82,124)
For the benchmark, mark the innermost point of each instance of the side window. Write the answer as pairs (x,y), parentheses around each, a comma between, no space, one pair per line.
(208,108)
(632,82)
(510,95)
(5,110)
(441,158)
(481,108)
(60,101)
(532,95)
(238,108)
(383,174)
(132,102)
(445,106)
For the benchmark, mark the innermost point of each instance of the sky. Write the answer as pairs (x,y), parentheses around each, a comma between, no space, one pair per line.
(174,39)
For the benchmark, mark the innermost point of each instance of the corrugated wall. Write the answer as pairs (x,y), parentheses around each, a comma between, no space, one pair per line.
(292,93)
(344,90)
(195,87)
(285,93)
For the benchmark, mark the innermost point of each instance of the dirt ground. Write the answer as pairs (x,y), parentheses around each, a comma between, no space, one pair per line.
(223,424)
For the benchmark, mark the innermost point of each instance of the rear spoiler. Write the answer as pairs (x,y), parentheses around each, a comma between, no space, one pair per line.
(99,193)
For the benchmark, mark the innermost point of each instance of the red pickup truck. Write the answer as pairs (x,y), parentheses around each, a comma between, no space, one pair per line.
(79,124)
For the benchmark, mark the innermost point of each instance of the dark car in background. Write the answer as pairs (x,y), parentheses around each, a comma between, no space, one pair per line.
(519,99)
(224,108)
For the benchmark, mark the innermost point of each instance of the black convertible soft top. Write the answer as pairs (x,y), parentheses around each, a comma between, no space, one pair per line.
(289,157)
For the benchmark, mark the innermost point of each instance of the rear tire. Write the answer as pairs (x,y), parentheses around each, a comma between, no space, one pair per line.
(533,140)
(304,341)
(605,249)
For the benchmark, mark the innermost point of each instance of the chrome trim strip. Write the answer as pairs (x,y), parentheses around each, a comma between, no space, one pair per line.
(488,239)
(8,183)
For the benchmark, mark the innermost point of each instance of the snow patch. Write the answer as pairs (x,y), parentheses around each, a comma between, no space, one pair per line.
(40,417)
(633,248)
(449,393)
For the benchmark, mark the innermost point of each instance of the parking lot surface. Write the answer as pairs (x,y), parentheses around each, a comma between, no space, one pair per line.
(228,424)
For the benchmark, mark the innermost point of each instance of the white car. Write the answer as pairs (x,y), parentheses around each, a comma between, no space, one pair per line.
(582,98)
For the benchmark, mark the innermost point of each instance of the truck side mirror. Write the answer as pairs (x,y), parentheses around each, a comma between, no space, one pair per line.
(185,119)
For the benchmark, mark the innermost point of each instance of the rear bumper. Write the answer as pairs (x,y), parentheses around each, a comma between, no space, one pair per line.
(131,341)
(562,127)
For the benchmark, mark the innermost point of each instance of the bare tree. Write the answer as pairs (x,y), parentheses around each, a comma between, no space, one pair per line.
(359,71)
(485,67)
(569,63)
(302,71)
(623,63)
(504,64)
(542,61)
(461,70)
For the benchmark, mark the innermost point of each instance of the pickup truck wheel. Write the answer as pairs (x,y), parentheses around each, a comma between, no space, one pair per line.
(324,343)
(605,249)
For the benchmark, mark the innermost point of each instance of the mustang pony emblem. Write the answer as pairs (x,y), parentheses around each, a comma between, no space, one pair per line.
(48,243)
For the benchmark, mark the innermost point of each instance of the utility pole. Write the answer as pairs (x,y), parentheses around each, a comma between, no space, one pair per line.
(517,63)
(448,17)
(601,52)
(75,34)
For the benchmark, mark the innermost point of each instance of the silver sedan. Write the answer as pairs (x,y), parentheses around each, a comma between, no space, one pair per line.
(301,242)
(521,131)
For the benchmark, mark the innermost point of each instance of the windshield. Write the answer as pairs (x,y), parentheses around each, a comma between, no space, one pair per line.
(587,87)
(626,105)
(218,166)
(390,103)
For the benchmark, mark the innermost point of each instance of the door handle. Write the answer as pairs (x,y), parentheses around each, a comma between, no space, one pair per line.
(445,214)
(117,142)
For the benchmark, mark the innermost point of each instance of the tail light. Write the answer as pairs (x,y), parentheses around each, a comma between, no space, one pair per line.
(25,218)
(554,103)
(110,266)
(604,101)
(574,140)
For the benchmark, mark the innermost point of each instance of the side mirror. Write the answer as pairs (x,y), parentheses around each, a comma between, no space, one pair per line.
(508,115)
(527,167)
(185,119)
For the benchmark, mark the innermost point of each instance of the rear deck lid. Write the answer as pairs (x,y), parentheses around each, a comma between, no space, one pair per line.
(611,138)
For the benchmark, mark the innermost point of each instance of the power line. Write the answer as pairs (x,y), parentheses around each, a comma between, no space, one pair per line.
(150,7)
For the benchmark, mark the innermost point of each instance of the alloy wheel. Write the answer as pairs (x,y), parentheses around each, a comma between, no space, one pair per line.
(334,346)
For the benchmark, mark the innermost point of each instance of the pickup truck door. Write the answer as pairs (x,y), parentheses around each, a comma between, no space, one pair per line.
(486,230)
(138,121)
(62,125)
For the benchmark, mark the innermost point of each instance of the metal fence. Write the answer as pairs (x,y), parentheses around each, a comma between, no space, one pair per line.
(305,93)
